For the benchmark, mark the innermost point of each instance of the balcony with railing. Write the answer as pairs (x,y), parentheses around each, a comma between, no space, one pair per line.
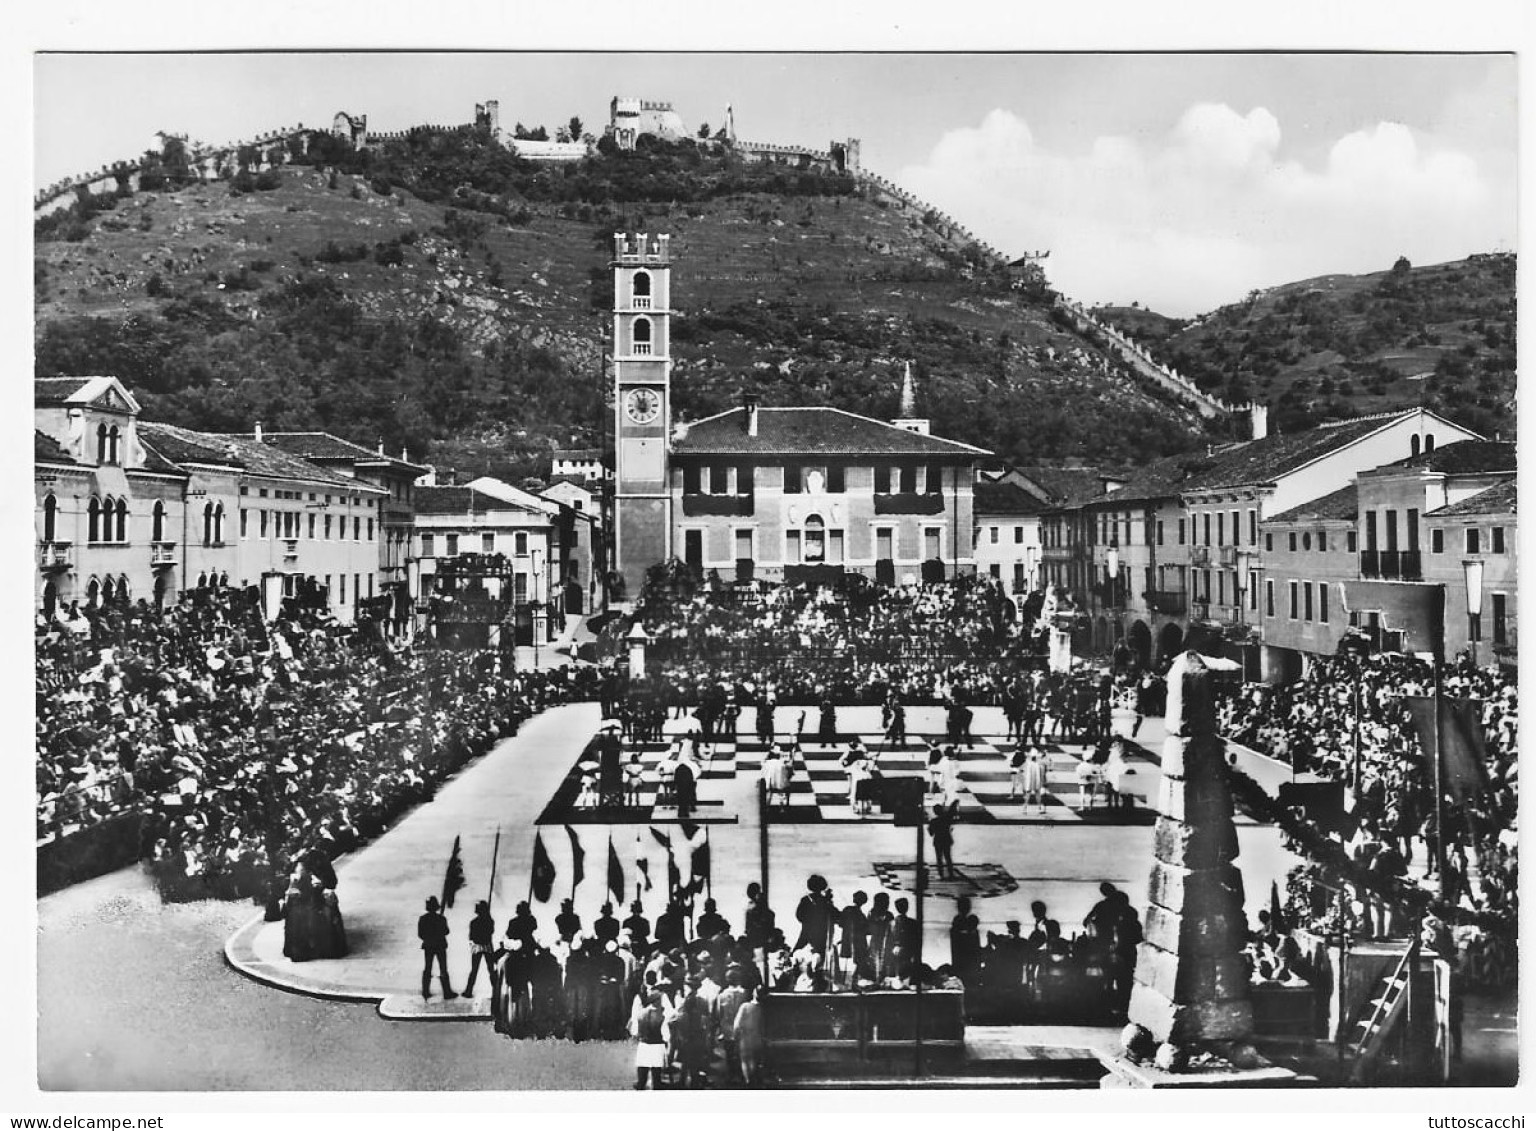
(702,505)
(55,557)
(290,549)
(1392,565)
(1199,555)
(162,554)
(1229,556)
(640,302)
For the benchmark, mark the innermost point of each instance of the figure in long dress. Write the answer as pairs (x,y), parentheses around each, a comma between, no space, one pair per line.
(1034,778)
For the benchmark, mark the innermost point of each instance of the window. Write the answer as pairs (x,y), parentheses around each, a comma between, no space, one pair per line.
(935,478)
(50,517)
(1473,543)
(792,547)
(520,544)
(101,443)
(640,336)
(370,586)
(692,476)
(1018,535)
(794,479)
(931,537)
(1253,528)
(1269,542)
(1500,618)
(884,545)
(1221,587)
(357,587)
(1351,541)
(815,540)
(357,529)
(1269,597)
(1181,532)
(428,545)
(1474,626)
(261,523)
(1221,528)
(122,520)
(327,526)
(882,480)
(1322,602)
(743,545)
(488,543)
(1498,540)
(1437,541)
(992,535)
(1391,531)
(312,528)
(1306,596)
(1295,599)
(1159,532)
(93,515)
(1253,591)
(1429,443)
(1291,539)
(218,524)
(837,480)
(1207,525)
(343,598)
(1370,531)
(1413,530)
(451,545)
(1322,541)
(908,474)
(1413,445)
(1236,536)
(328,586)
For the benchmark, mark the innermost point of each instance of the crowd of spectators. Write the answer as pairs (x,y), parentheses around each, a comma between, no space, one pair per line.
(249,746)
(696,973)
(852,643)
(1346,719)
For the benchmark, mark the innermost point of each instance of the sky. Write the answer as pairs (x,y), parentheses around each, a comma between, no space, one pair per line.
(1180,181)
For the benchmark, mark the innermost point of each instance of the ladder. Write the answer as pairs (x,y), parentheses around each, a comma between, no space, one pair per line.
(1381,1018)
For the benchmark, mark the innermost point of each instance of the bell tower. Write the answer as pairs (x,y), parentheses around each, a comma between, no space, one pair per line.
(642,396)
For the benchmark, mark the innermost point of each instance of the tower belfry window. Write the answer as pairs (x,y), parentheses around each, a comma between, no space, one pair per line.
(641,336)
(640,295)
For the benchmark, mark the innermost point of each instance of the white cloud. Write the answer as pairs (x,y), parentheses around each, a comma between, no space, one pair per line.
(1208,211)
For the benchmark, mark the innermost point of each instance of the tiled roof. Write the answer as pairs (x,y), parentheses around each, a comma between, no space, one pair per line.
(811,431)
(1343,503)
(1005,498)
(1066,486)
(579,455)
(153,459)
(57,390)
(1498,499)
(184,445)
(325,445)
(1465,456)
(466,499)
(45,449)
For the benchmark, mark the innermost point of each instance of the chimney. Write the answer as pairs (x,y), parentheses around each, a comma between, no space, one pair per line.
(749,402)
(1258,419)
(381,447)
(258,431)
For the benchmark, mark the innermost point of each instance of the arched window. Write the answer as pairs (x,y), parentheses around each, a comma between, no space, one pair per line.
(642,336)
(122,589)
(224,580)
(202,581)
(641,292)
(50,517)
(157,527)
(108,591)
(162,588)
(112,445)
(815,539)
(1429,443)
(1413,446)
(101,443)
(93,593)
(122,520)
(93,520)
(218,523)
(50,599)
(207,524)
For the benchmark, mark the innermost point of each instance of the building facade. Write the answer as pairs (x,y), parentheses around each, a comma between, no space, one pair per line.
(1006,534)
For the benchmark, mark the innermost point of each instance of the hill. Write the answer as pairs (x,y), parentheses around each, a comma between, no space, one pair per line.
(439,294)
(1339,345)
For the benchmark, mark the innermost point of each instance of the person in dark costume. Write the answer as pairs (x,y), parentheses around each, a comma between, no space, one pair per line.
(639,928)
(827,731)
(610,775)
(568,923)
(853,940)
(905,942)
(941,827)
(522,926)
(482,936)
(758,923)
(880,919)
(432,930)
(685,788)
(606,929)
(815,914)
(546,997)
(965,942)
(670,927)
(711,922)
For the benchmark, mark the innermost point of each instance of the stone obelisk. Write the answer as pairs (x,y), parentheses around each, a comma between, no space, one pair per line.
(1190,998)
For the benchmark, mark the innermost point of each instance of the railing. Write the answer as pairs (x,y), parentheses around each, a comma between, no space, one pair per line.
(640,302)
(698,505)
(399,514)
(290,548)
(909,502)
(1168,603)
(162,553)
(55,555)
(1199,555)
(1229,556)
(641,349)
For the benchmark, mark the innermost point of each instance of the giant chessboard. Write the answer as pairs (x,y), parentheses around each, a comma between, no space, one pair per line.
(818,790)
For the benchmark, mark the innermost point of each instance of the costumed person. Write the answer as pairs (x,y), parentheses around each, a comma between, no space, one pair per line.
(935,770)
(482,935)
(776,772)
(941,828)
(856,763)
(815,914)
(1116,771)
(752,1039)
(649,1030)
(965,942)
(827,730)
(1034,778)
(685,785)
(432,930)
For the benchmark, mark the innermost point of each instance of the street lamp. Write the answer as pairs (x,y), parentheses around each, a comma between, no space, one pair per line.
(1474,572)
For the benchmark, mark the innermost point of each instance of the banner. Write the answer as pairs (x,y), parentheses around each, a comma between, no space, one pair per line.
(453,879)
(542,880)
(615,874)
(1463,756)
(578,858)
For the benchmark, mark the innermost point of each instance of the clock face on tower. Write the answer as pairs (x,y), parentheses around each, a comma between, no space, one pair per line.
(642,406)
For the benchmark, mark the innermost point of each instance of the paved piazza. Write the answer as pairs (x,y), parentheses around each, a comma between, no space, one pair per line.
(526,787)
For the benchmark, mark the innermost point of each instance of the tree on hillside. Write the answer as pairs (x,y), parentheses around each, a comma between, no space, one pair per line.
(573,127)
(704,132)
(1402,266)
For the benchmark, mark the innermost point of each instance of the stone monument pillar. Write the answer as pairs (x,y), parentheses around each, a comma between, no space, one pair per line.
(1190,1014)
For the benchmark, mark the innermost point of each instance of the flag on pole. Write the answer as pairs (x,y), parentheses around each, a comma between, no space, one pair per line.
(1463,756)
(453,879)
(699,863)
(615,873)
(542,881)
(578,858)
